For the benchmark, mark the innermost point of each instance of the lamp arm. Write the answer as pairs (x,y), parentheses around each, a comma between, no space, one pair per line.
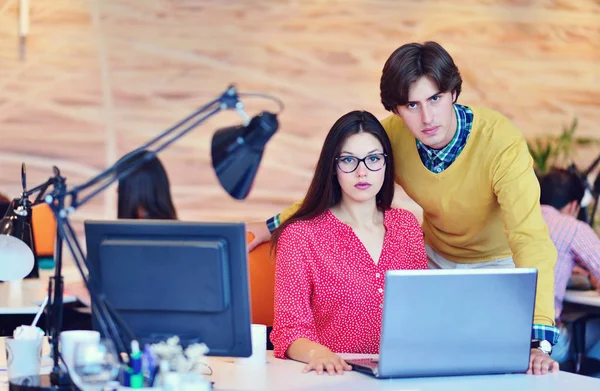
(592,166)
(112,175)
(109,320)
(41,190)
(228,100)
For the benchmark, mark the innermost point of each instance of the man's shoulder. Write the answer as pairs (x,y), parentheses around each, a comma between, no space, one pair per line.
(493,121)
(560,221)
(551,214)
(393,123)
(494,129)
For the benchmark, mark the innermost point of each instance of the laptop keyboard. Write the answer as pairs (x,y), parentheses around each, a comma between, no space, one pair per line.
(364,362)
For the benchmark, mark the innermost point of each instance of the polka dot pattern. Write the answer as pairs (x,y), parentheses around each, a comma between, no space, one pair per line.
(327,287)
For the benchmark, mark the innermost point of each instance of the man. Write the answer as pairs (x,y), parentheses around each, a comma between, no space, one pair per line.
(578,245)
(470,170)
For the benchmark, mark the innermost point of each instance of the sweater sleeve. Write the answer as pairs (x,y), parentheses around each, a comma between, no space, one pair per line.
(517,190)
(293,316)
(289,211)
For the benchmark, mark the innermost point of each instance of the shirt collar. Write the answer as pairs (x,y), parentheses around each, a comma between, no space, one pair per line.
(443,153)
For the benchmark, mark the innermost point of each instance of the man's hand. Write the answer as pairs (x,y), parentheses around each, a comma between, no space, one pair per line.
(261,234)
(325,360)
(540,363)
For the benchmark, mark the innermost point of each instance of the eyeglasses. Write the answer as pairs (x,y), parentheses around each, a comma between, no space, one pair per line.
(349,163)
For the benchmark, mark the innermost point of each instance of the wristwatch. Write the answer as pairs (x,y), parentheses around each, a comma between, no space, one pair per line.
(543,345)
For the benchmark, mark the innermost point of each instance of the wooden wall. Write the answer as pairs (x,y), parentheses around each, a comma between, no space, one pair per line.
(102,76)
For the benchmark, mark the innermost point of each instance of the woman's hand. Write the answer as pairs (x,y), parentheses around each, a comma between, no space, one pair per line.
(323,360)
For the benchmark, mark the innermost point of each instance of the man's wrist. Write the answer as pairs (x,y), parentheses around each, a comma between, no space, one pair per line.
(542,345)
(273,223)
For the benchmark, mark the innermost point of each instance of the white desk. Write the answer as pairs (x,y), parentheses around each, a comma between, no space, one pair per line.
(287,375)
(23,297)
(589,298)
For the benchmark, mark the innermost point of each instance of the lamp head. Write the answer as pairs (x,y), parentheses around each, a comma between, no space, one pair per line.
(237,152)
(16,241)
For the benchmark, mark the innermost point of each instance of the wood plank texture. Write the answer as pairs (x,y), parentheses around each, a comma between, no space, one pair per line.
(102,76)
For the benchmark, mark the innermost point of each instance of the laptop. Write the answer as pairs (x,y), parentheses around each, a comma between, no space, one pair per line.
(454,322)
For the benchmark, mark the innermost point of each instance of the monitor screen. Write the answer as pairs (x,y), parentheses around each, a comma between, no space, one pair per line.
(168,277)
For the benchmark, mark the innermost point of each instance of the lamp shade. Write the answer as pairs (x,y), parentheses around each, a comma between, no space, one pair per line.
(237,152)
(16,243)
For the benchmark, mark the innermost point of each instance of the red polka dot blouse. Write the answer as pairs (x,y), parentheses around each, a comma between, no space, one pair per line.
(327,287)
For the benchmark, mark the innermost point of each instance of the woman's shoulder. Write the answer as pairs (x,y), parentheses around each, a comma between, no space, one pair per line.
(401,218)
(307,228)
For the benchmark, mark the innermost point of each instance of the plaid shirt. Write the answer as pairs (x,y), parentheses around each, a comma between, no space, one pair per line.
(577,244)
(437,160)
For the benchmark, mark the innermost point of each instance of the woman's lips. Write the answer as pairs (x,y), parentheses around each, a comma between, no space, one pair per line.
(362,186)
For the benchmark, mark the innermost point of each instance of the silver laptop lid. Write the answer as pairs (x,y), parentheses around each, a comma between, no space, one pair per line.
(455,322)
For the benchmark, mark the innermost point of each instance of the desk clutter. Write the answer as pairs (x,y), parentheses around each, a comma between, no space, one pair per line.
(93,364)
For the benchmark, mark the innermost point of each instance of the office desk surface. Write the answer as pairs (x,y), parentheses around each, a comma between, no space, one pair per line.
(589,298)
(23,297)
(286,375)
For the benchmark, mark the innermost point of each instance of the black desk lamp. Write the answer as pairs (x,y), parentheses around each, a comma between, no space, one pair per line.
(17,245)
(236,154)
(588,214)
(595,188)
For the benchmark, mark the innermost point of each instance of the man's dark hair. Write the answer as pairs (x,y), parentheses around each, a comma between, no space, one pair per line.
(408,64)
(560,187)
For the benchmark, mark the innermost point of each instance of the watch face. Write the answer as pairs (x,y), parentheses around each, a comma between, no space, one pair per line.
(545,346)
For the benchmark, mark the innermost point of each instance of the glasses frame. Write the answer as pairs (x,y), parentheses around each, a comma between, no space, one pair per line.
(363,160)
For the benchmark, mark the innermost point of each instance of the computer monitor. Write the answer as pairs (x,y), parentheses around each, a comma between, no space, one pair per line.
(168,277)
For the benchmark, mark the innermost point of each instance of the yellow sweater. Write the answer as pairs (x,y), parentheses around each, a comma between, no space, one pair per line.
(484,206)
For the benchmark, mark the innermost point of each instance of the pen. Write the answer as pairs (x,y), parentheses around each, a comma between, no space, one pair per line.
(137,377)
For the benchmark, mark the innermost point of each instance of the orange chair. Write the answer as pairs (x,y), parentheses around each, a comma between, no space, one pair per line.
(262,280)
(44,230)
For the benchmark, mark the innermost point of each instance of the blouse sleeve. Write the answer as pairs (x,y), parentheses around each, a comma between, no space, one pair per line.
(293,316)
(415,248)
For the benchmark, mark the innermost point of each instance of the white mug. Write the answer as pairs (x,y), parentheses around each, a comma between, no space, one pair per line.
(23,357)
(68,340)
(259,346)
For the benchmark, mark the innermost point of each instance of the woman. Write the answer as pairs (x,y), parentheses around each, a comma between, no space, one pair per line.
(146,192)
(333,253)
(143,194)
